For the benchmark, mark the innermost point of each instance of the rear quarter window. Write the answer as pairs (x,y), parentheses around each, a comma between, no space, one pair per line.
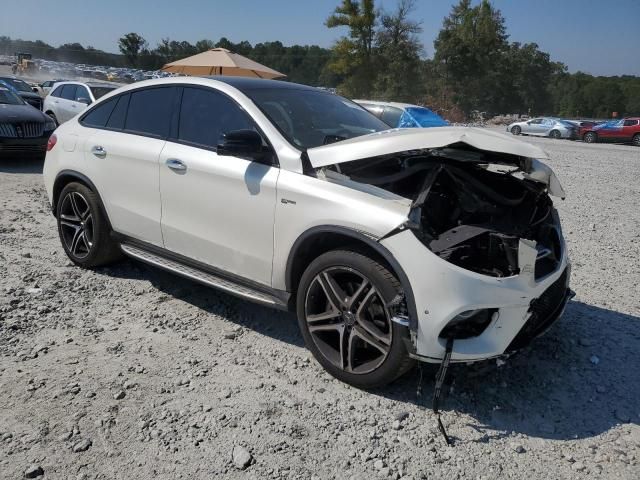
(98,116)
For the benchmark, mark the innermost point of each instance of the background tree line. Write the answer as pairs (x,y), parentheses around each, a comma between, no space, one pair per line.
(475,68)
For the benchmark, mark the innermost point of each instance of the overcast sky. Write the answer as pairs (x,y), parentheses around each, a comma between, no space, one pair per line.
(595,36)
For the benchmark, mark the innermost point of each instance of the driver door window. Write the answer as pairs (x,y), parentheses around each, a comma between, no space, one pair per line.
(205,115)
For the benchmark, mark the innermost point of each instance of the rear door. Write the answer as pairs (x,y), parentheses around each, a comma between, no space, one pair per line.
(80,102)
(63,107)
(123,156)
(629,129)
(216,209)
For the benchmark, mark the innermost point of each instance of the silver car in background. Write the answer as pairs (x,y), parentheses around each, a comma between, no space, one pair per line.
(545,127)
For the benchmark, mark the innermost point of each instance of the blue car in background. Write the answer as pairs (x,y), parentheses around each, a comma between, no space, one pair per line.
(403,115)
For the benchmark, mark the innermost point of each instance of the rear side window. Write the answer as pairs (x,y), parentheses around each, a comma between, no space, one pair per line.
(206,114)
(119,114)
(98,116)
(630,123)
(150,111)
(82,92)
(69,92)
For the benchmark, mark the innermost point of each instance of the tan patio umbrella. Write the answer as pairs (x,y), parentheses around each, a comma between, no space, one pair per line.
(219,61)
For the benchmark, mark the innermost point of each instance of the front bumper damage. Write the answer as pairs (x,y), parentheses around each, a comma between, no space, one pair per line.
(522,307)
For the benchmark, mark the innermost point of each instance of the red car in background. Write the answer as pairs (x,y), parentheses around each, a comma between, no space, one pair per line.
(624,130)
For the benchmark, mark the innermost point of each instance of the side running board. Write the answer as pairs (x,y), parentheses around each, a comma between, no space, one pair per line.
(201,276)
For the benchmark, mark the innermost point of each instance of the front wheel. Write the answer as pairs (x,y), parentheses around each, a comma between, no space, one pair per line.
(636,140)
(83,227)
(590,137)
(345,321)
(516,130)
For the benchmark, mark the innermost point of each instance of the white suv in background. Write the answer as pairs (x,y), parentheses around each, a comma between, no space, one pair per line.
(68,99)
(390,245)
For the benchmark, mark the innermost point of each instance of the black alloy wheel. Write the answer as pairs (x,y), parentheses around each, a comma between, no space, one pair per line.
(346,322)
(83,227)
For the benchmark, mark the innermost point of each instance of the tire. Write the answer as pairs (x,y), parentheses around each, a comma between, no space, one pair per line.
(83,227)
(372,351)
(590,137)
(636,140)
(555,134)
(53,117)
(516,130)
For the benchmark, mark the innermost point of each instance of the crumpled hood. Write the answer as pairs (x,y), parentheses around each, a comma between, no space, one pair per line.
(402,140)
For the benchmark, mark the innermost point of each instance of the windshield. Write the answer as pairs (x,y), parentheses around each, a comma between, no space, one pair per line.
(310,118)
(7,97)
(425,117)
(101,91)
(19,85)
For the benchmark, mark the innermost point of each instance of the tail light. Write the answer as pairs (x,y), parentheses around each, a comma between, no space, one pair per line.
(52,142)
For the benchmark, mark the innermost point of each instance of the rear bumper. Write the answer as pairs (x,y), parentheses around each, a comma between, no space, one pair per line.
(524,307)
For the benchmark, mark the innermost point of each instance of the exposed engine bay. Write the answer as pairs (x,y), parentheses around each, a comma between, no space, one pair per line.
(470,207)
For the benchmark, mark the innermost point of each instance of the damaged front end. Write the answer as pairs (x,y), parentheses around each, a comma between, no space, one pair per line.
(481,204)
(481,211)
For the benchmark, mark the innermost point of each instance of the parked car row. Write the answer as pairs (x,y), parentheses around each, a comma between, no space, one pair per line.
(115,74)
(622,130)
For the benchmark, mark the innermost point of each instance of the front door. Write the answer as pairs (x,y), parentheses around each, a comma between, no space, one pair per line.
(218,210)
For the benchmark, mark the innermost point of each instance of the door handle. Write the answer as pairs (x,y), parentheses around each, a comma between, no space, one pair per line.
(99,151)
(176,165)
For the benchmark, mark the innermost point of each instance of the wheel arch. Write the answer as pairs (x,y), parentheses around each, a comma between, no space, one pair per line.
(63,178)
(321,239)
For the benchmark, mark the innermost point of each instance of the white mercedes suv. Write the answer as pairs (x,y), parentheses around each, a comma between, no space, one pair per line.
(390,245)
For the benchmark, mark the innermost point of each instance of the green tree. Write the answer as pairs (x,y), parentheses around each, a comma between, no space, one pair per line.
(131,46)
(468,50)
(352,57)
(398,50)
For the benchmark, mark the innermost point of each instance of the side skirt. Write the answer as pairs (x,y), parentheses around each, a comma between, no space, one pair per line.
(204,274)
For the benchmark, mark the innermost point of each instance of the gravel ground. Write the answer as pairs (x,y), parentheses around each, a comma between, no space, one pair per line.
(128,372)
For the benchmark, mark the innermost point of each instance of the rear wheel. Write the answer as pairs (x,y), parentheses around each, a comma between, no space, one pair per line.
(516,130)
(590,137)
(83,227)
(555,134)
(636,140)
(343,315)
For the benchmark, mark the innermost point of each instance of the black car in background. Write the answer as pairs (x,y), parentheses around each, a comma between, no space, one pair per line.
(23,89)
(24,131)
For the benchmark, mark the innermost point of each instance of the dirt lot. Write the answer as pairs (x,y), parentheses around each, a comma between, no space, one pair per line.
(128,372)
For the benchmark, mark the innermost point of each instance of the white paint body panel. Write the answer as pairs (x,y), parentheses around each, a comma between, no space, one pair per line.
(443,290)
(128,181)
(244,217)
(220,211)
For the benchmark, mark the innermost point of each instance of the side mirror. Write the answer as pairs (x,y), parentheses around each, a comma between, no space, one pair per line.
(241,143)
(84,100)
